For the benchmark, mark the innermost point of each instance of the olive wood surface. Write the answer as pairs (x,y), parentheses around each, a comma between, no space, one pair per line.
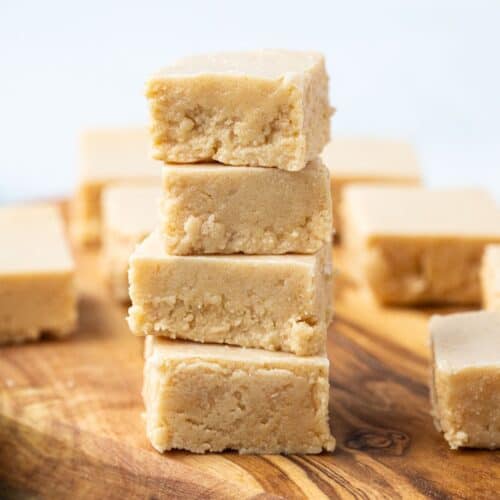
(71,424)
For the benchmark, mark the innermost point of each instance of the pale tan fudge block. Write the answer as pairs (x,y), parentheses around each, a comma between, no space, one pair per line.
(37,291)
(109,156)
(211,398)
(465,388)
(267,108)
(216,209)
(352,160)
(490,278)
(274,302)
(417,246)
(129,214)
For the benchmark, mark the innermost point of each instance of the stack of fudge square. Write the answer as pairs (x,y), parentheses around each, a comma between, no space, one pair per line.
(233,290)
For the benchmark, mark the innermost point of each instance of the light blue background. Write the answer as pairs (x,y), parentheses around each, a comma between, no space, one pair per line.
(426,71)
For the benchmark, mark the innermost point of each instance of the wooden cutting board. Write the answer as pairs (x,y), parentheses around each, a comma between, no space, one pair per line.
(71,426)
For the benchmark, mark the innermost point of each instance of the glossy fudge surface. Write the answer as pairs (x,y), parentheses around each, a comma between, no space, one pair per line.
(466,378)
(266,108)
(205,398)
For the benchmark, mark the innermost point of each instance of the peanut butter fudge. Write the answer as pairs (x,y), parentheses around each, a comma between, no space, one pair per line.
(216,209)
(267,108)
(37,291)
(211,398)
(274,302)
(490,278)
(109,156)
(353,160)
(417,246)
(465,387)
(130,213)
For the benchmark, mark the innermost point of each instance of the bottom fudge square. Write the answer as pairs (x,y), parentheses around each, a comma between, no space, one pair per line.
(465,388)
(212,397)
(274,302)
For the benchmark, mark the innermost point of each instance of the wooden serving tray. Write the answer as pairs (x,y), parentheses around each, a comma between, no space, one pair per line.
(71,426)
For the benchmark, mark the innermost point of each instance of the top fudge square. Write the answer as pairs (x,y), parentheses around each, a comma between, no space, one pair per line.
(267,108)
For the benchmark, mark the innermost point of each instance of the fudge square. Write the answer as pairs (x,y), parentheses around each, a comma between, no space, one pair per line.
(417,246)
(212,397)
(130,213)
(216,209)
(490,278)
(37,291)
(267,108)
(465,387)
(353,160)
(279,302)
(108,156)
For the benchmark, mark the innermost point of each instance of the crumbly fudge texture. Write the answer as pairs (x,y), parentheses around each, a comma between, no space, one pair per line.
(211,398)
(274,302)
(490,278)
(354,160)
(416,246)
(108,156)
(465,388)
(130,213)
(37,291)
(216,209)
(267,108)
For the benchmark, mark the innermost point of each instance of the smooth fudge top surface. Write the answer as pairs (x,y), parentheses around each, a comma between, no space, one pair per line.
(367,158)
(466,340)
(267,64)
(153,248)
(131,210)
(33,241)
(109,154)
(406,211)
(163,348)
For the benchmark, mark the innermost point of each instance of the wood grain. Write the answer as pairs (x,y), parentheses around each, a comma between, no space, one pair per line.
(71,426)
